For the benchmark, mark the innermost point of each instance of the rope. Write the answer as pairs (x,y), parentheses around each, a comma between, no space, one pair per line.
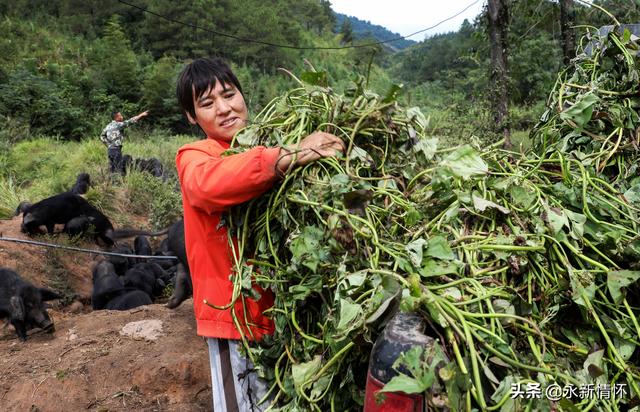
(77,249)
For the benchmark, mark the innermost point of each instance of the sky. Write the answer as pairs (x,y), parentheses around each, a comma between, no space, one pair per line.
(409,16)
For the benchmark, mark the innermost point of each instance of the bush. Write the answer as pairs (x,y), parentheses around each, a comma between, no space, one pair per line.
(41,105)
(166,208)
(148,195)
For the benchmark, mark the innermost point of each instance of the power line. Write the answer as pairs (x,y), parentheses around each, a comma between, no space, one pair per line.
(287,46)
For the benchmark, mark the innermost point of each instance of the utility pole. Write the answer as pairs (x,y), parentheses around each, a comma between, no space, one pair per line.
(498,25)
(567,18)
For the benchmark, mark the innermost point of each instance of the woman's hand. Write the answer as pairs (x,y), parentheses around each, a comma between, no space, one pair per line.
(311,148)
(317,145)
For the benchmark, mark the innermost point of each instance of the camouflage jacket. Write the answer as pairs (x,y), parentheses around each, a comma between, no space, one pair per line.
(113,134)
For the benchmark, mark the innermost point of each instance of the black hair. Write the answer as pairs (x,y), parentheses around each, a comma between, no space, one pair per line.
(199,76)
(114,113)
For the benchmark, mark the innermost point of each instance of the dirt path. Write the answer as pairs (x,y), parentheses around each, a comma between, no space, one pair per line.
(89,362)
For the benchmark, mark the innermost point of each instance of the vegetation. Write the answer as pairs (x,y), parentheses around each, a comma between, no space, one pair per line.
(525,266)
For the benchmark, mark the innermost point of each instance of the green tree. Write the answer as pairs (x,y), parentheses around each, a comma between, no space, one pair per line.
(42,105)
(346,31)
(115,63)
(159,92)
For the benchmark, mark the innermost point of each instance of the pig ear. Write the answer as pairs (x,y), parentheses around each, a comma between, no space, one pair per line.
(49,294)
(17,308)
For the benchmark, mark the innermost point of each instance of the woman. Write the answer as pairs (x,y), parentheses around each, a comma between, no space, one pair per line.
(211,97)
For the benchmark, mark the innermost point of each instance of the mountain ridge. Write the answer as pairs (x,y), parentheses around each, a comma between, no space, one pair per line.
(364,28)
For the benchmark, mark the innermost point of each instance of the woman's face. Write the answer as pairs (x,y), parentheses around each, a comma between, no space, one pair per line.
(220,112)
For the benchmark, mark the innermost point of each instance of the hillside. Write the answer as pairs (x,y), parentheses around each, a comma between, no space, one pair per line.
(99,360)
(365,29)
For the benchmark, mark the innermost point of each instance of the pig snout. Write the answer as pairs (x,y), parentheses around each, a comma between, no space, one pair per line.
(48,326)
(43,321)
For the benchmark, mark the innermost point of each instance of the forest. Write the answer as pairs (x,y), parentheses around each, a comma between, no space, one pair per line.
(64,66)
(488,184)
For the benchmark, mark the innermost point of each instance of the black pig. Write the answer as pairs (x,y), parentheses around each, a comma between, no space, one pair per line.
(141,246)
(142,279)
(61,208)
(129,299)
(83,181)
(23,304)
(122,263)
(106,284)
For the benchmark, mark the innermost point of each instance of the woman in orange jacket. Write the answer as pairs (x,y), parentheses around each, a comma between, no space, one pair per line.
(211,97)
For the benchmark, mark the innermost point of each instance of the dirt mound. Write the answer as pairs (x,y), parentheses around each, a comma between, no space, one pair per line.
(97,360)
(65,271)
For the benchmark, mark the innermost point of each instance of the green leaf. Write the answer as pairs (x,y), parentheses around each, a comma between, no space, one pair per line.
(422,363)
(383,307)
(578,281)
(303,372)
(406,384)
(555,219)
(340,183)
(439,248)
(348,314)
(315,78)
(618,279)
(625,348)
(452,292)
(595,366)
(248,137)
(437,268)
(428,147)
(392,93)
(362,155)
(503,389)
(633,195)
(522,197)
(307,247)
(412,216)
(414,114)
(481,205)
(354,280)
(581,112)
(465,162)
(577,224)
(414,249)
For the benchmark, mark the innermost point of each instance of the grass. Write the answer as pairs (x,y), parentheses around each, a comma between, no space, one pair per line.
(44,166)
(520,140)
(9,198)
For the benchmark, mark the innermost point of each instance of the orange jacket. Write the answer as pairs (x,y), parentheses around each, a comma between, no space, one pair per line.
(211,184)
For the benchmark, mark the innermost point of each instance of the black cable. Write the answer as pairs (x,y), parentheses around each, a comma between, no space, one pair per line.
(77,249)
(286,46)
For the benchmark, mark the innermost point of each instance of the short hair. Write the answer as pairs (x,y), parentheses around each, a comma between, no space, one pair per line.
(200,75)
(114,113)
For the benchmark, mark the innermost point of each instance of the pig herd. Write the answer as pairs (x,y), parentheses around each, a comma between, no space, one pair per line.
(119,282)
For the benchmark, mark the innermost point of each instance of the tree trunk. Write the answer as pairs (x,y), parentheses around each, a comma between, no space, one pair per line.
(498,24)
(567,18)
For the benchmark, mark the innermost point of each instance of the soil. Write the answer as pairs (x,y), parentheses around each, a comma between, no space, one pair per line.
(97,360)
